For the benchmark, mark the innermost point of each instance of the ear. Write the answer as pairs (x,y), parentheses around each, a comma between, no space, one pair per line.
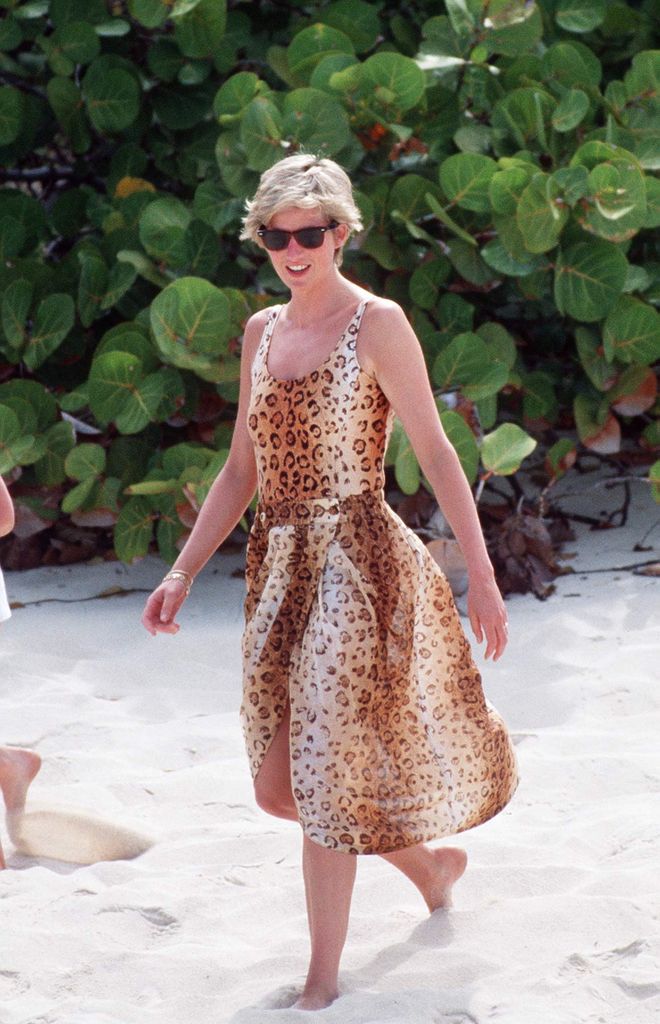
(340,235)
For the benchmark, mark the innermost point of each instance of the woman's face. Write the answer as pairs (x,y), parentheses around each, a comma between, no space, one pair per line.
(296,266)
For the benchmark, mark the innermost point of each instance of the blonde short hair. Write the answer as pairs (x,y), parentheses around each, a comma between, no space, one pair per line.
(308,182)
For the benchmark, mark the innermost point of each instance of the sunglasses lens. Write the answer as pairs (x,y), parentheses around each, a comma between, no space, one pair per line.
(309,238)
(274,239)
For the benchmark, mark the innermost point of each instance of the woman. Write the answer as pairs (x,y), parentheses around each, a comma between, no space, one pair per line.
(363,713)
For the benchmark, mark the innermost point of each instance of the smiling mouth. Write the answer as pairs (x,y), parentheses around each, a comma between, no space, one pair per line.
(297,268)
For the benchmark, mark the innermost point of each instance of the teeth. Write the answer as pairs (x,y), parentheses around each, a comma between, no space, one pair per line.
(303,267)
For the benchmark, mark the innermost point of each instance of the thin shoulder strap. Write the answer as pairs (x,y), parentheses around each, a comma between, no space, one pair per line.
(354,326)
(262,350)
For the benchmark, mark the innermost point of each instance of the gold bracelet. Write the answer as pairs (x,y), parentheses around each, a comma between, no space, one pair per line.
(181,575)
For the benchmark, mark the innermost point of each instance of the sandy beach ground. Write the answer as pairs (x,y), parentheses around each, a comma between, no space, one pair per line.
(555,921)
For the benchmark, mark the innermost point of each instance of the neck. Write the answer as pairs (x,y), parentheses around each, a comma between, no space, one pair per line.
(314,304)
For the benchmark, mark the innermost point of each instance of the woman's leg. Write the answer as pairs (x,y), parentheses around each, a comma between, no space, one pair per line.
(432,872)
(17,770)
(329,877)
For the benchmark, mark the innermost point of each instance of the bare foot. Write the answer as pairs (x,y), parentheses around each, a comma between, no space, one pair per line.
(314,1000)
(17,770)
(450,863)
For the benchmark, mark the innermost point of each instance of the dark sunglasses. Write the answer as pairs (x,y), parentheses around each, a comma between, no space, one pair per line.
(276,239)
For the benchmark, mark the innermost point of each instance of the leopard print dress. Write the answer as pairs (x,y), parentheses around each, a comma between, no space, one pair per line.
(349,620)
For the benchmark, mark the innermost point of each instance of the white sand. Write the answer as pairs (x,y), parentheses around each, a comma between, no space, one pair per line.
(555,922)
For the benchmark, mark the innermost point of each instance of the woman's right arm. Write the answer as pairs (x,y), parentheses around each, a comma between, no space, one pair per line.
(6,510)
(229,496)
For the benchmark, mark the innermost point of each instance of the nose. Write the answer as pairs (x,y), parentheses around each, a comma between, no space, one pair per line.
(293,248)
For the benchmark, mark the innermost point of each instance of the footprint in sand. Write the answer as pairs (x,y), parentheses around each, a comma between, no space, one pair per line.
(58,834)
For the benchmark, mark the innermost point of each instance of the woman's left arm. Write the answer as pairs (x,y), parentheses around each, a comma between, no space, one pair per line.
(390,351)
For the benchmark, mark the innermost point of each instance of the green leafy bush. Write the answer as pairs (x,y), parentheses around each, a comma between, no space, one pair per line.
(505,155)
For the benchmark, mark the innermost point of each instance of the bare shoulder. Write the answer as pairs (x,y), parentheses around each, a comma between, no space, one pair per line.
(254,328)
(255,325)
(385,333)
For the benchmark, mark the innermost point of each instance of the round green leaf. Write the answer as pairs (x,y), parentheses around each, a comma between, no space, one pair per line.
(356,19)
(75,42)
(573,182)
(261,134)
(427,280)
(58,442)
(315,121)
(506,186)
(580,15)
(541,214)
(128,338)
(78,495)
(164,59)
(570,110)
(617,200)
(652,219)
(12,444)
(464,442)
(143,404)
(539,397)
(11,113)
(85,460)
(504,449)
(465,178)
(150,13)
(468,263)
(500,344)
(163,226)
(408,196)
(467,363)
(134,529)
(512,27)
(65,99)
(396,80)
(112,100)
(631,332)
(572,64)
(199,32)
(311,44)
(323,75)
(524,115)
(16,302)
(202,245)
(497,257)
(113,379)
(12,238)
(91,286)
(190,320)
(55,318)
(595,364)
(589,278)
(36,395)
(234,95)
(11,35)
(406,467)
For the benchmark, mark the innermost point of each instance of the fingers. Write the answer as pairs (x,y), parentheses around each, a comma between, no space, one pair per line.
(476,625)
(161,608)
(497,638)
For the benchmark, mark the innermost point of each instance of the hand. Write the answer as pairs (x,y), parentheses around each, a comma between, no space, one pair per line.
(162,607)
(488,616)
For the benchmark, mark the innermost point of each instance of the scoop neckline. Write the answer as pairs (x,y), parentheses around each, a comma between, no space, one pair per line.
(331,353)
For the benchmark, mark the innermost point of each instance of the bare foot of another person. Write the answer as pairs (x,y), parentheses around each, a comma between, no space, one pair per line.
(17,770)
(450,863)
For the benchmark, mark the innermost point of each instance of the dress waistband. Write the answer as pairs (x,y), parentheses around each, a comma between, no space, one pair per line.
(303,510)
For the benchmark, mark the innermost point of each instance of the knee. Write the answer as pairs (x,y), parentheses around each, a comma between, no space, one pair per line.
(277,802)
